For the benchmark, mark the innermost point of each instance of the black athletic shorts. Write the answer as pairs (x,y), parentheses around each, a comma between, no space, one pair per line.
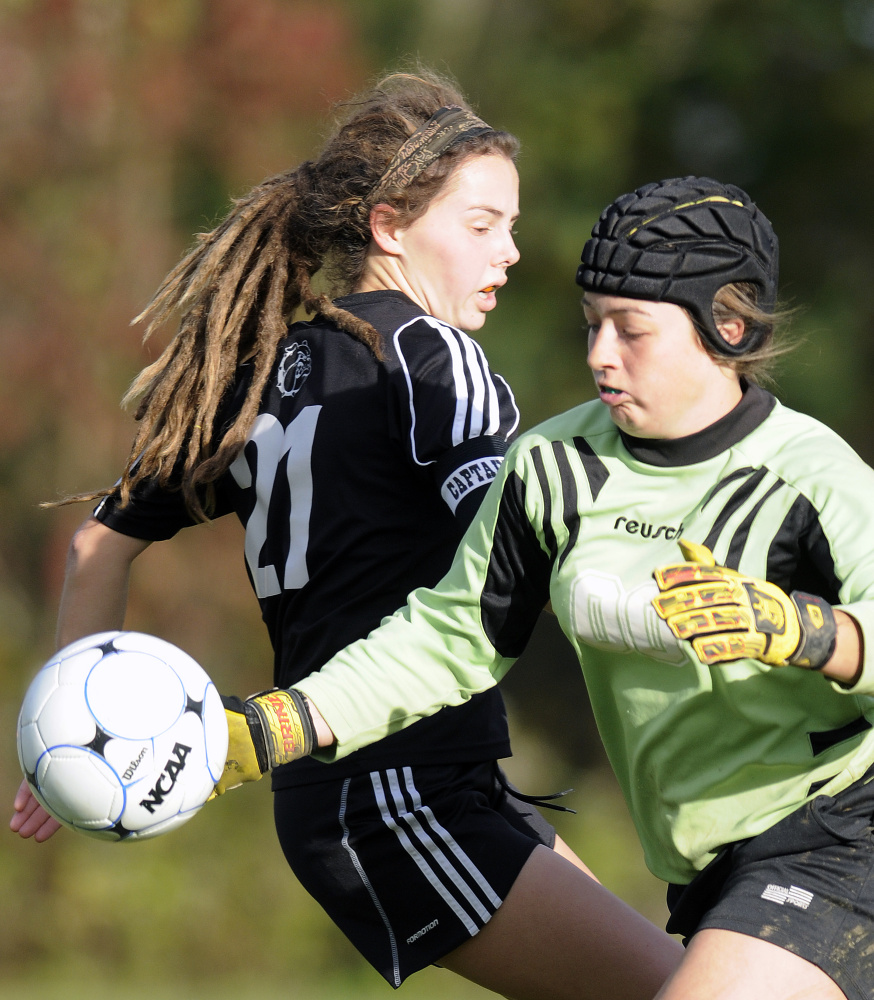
(409,862)
(806,884)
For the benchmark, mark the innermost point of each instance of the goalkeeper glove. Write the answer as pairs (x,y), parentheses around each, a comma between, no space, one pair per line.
(266,730)
(729,616)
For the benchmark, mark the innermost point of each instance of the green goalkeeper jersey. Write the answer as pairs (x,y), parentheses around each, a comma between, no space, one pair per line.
(581,514)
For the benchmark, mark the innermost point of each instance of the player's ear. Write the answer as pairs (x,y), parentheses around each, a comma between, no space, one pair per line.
(732,330)
(384,229)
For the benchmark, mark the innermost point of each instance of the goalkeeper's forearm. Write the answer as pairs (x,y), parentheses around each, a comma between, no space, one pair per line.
(324,735)
(845,664)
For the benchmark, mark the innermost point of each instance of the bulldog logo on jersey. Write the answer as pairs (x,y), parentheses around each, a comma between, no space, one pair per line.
(296,364)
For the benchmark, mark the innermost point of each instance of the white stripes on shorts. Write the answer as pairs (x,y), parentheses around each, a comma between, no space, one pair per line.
(443,863)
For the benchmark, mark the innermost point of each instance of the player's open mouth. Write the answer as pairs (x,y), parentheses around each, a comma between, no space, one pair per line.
(488,290)
(608,394)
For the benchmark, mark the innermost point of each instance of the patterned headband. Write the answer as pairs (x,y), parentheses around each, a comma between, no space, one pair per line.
(425,145)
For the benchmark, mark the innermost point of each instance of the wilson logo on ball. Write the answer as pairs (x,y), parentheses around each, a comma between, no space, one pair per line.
(134,764)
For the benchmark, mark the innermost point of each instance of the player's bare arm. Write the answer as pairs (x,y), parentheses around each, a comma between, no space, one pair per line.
(94,597)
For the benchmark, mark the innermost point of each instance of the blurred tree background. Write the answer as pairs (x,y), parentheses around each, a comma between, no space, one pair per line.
(125,127)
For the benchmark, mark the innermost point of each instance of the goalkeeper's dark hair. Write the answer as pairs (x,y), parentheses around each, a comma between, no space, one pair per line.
(235,292)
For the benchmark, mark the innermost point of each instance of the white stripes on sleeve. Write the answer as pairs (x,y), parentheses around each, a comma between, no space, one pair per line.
(477,390)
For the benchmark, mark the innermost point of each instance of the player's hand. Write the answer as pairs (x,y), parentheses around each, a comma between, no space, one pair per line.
(729,616)
(266,730)
(30,819)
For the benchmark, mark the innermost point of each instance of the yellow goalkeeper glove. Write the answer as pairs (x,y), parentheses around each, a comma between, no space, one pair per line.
(729,616)
(266,730)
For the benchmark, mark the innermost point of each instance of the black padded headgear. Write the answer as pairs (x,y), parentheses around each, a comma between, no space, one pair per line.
(680,241)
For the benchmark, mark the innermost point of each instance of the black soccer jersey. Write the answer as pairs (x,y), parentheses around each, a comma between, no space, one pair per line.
(354,487)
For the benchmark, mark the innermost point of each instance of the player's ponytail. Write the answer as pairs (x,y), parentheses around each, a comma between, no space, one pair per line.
(235,294)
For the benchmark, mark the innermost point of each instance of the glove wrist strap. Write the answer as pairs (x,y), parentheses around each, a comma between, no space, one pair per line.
(819,631)
(283,724)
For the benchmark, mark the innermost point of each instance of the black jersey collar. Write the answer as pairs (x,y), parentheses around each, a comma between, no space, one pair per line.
(358,299)
(754,406)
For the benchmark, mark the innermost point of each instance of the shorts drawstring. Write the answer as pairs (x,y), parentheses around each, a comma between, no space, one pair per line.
(542,801)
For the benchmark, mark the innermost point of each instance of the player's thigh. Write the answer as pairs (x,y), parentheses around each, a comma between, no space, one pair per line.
(561,934)
(726,965)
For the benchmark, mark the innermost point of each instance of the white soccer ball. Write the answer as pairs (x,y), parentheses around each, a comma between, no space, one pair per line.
(122,736)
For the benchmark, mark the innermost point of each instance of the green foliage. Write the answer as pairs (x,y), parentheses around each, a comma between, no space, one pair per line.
(126,126)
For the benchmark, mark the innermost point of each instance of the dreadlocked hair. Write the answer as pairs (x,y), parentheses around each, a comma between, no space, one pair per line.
(234,294)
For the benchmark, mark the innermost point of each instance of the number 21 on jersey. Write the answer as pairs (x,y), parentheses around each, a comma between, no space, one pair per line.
(273,443)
